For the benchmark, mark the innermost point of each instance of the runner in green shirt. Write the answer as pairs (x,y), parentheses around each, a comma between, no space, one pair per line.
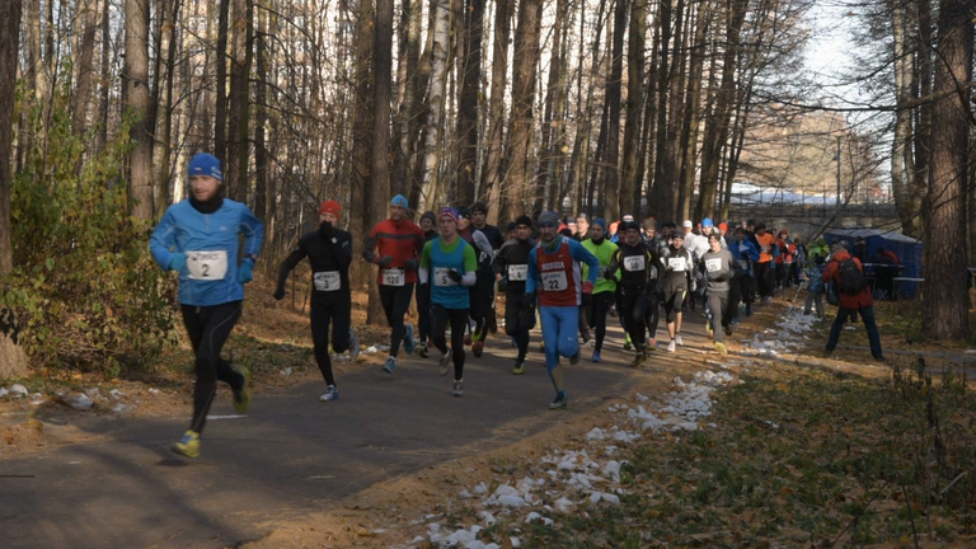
(601,301)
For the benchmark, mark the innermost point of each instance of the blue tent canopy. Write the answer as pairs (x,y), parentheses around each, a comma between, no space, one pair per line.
(908,250)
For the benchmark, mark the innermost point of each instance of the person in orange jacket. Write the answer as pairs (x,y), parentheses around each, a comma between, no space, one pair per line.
(765,268)
(846,274)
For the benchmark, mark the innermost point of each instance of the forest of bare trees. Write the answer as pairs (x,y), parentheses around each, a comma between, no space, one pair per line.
(609,107)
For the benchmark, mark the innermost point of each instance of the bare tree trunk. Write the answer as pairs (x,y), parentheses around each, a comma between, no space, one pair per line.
(261,159)
(220,107)
(906,202)
(362,136)
(235,177)
(632,131)
(919,182)
(611,171)
(491,175)
(435,104)
(105,83)
(662,206)
(944,314)
(137,100)
(403,159)
(472,20)
(382,96)
(422,110)
(88,18)
(164,124)
(552,90)
(688,146)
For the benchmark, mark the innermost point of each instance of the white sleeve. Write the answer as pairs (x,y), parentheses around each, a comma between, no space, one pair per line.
(424,275)
(469,278)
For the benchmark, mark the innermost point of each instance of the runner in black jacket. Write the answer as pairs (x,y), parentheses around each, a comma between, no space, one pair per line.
(634,267)
(511,269)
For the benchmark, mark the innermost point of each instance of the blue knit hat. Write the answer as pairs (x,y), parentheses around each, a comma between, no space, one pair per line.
(400,200)
(205,164)
(601,222)
(707,222)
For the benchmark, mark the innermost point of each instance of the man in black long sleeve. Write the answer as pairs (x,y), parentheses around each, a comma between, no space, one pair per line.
(329,251)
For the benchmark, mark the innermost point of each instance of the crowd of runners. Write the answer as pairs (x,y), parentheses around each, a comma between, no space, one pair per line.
(568,275)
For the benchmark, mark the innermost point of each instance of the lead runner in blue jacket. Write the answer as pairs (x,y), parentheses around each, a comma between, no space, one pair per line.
(199,239)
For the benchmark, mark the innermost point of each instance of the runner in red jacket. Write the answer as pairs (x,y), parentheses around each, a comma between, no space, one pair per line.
(395,246)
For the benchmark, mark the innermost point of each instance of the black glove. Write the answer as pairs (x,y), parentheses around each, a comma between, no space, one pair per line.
(411,264)
(279,293)
(455,276)
(384,261)
(587,299)
(528,300)
(325,229)
(502,286)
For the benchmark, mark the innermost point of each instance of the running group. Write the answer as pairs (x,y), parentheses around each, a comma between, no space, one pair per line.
(567,274)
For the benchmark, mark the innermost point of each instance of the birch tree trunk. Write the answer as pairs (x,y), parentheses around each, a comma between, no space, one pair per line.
(137,100)
(435,104)
(491,180)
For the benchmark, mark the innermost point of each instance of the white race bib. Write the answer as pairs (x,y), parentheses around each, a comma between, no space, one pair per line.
(555,281)
(441,278)
(328,281)
(634,263)
(676,263)
(601,272)
(394,277)
(207,265)
(518,273)
(713,265)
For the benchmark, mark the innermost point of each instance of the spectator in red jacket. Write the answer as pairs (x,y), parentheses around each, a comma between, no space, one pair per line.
(860,302)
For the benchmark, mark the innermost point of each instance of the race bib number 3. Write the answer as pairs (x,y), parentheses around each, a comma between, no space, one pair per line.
(518,273)
(207,265)
(713,265)
(554,281)
(328,281)
(634,263)
(441,278)
(394,277)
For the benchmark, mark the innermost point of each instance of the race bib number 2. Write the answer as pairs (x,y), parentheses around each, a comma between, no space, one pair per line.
(328,281)
(207,265)
(394,277)
(555,281)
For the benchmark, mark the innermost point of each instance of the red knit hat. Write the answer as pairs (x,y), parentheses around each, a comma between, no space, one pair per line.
(332,207)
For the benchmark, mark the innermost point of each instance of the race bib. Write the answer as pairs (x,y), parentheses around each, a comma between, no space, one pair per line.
(713,265)
(207,265)
(394,277)
(634,263)
(328,281)
(601,272)
(555,281)
(676,263)
(518,273)
(441,278)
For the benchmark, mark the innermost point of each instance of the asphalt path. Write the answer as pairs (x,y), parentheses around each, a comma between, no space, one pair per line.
(290,455)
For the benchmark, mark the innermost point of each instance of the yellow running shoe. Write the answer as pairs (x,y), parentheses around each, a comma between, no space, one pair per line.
(242,397)
(519,368)
(189,445)
(721,348)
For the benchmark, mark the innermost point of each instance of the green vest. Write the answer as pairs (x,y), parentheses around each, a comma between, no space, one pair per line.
(603,252)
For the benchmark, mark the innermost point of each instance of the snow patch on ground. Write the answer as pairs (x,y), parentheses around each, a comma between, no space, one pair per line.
(789,334)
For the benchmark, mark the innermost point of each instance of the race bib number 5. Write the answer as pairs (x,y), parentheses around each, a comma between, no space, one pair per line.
(328,281)
(394,277)
(554,281)
(207,265)
(441,277)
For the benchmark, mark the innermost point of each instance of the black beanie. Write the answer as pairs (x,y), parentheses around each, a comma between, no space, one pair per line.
(524,220)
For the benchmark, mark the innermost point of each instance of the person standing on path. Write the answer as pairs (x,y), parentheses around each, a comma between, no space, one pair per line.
(199,239)
(678,279)
(846,273)
(329,252)
(634,267)
(765,271)
(719,268)
(449,263)
(395,245)
(511,267)
(555,273)
(599,303)
(428,224)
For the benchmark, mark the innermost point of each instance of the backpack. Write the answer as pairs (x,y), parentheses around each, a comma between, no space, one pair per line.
(850,279)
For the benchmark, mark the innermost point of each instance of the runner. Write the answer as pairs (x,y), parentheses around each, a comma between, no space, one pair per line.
(329,252)
(511,267)
(634,267)
(743,283)
(719,266)
(428,224)
(764,267)
(198,238)
(395,245)
(678,279)
(554,271)
(846,273)
(452,263)
(598,304)
(582,227)
(484,290)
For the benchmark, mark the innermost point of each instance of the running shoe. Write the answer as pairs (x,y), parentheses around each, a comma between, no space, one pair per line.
(596,357)
(331,393)
(671,346)
(422,350)
(353,344)
(458,388)
(242,397)
(627,344)
(638,360)
(390,365)
(585,336)
(445,363)
(519,368)
(560,402)
(651,344)
(478,348)
(708,328)
(189,445)
(728,330)
(677,339)
(408,342)
(574,360)
(467,339)
(721,348)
